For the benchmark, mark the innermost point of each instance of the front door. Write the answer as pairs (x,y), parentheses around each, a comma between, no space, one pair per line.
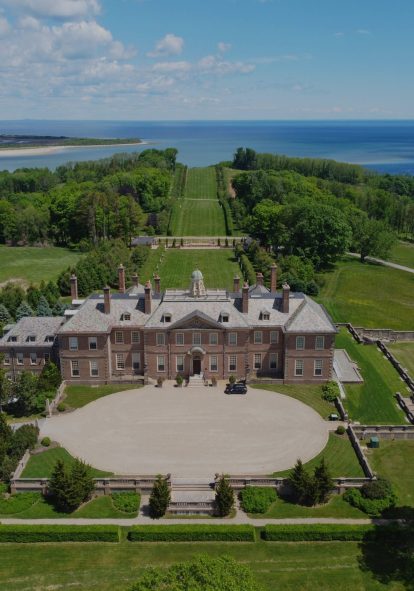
(196,366)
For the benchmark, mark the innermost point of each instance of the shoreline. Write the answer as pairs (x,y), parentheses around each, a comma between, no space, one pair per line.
(45,150)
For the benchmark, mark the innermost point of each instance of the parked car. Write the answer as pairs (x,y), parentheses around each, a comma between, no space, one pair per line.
(236,389)
(333,417)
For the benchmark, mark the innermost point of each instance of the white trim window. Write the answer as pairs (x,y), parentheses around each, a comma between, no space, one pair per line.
(93,343)
(300,343)
(213,363)
(196,338)
(120,361)
(93,368)
(213,338)
(274,337)
(179,363)
(299,367)
(136,361)
(135,337)
(74,368)
(160,338)
(33,358)
(73,344)
(320,343)
(160,363)
(232,362)
(179,339)
(19,358)
(119,337)
(258,337)
(233,338)
(273,361)
(318,367)
(6,360)
(257,361)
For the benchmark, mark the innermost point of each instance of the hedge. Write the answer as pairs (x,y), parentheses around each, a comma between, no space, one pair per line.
(192,533)
(257,499)
(315,533)
(59,533)
(248,270)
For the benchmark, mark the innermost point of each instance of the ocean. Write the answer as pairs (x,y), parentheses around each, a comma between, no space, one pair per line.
(385,146)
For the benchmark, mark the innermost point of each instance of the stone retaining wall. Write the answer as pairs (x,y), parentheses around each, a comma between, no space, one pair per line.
(360,454)
(389,432)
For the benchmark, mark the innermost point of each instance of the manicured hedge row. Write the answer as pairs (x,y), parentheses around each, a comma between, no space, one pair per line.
(315,533)
(192,533)
(59,533)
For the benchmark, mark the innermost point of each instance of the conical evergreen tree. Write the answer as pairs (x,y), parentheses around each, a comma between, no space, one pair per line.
(43,308)
(33,296)
(58,486)
(81,484)
(160,497)
(59,309)
(23,311)
(300,482)
(323,482)
(224,497)
(5,317)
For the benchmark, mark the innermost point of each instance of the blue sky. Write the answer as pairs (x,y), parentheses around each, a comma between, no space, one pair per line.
(206,59)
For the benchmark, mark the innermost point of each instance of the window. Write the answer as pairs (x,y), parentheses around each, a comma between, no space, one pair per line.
(93,369)
(74,366)
(135,337)
(31,338)
(50,338)
(320,343)
(119,337)
(160,363)
(213,338)
(300,343)
(299,367)
(274,337)
(19,358)
(160,338)
(317,367)
(93,343)
(126,316)
(46,358)
(12,339)
(120,361)
(232,362)
(273,361)
(179,363)
(179,338)
(257,361)
(213,363)
(232,338)
(136,362)
(73,343)
(33,358)
(224,317)
(197,338)
(6,360)
(264,315)
(258,337)
(167,317)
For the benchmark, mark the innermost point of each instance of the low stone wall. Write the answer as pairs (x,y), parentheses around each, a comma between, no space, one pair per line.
(384,334)
(407,379)
(22,464)
(341,409)
(360,454)
(402,402)
(339,485)
(389,432)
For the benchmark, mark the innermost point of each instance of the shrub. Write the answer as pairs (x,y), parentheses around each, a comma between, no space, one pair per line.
(160,381)
(58,533)
(373,507)
(18,503)
(128,502)
(377,489)
(192,533)
(62,407)
(24,437)
(232,379)
(330,391)
(255,499)
(159,498)
(224,500)
(315,533)
(179,379)
(340,430)
(46,441)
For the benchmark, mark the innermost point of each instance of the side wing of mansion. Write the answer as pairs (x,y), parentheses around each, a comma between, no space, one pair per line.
(143,332)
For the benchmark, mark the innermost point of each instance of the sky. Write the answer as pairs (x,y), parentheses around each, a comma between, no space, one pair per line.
(206,59)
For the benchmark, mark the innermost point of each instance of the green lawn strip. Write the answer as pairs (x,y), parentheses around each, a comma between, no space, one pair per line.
(78,396)
(340,457)
(404,353)
(41,465)
(369,295)
(336,507)
(394,460)
(402,254)
(198,218)
(309,394)
(201,183)
(32,265)
(372,402)
(105,567)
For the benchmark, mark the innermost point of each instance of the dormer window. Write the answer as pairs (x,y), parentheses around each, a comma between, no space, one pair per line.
(49,338)
(224,317)
(31,338)
(167,317)
(264,316)
(126,316)
(12,339)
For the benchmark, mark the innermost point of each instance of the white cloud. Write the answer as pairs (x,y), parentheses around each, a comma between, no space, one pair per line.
(182,66)
(169,45)
(363,32)
(62,9)
(213,65)
(223,47)
(4,26)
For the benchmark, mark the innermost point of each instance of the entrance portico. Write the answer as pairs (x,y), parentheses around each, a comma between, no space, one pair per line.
(196,363)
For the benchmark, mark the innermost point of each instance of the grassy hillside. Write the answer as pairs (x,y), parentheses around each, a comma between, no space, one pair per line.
(404,352)
(403,254)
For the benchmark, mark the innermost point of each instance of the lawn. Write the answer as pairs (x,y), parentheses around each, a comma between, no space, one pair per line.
(394,461)
(404,352)
(201,183)
(369,295)
(403,254)
(105,567)
(307,393)
(30,264)
(78,396)
(198,218)
(336,507)
(373,401)
(339,456)
(41,465)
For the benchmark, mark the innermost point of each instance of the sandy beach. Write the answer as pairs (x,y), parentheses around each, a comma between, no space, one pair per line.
(45,150)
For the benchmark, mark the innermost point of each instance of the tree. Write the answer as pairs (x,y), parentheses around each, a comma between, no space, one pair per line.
(159,498)
(203,573)
(299,482)
(323,482)
(371,237)
(25,391)
(59,309)
(70,488)
(5,386)
(59,484)
(33,296)
(23,311)
(5,317)
(224,497)
(50,378)
(43,308)
(12,296)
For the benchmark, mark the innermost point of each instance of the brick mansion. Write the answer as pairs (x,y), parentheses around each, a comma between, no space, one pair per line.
(145,333)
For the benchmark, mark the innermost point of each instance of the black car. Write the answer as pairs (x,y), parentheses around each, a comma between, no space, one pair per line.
(236,389)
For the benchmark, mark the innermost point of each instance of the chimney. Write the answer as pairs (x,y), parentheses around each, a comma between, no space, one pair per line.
(121,278)
(259,278)
(135,280)
(107,300)
(236,283)
(245,298)
(148,298)
(157,281)
(273,278)
(73,287)
(285,301)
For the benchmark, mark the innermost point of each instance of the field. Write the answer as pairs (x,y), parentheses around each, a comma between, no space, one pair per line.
(217,266)
(29,264)
(105,567)
(41,465)
(394,461)
(404,352)
(369,295)
(307,393)
(372,402)
(78,396)
(199,212)
(336,507)
(403,254)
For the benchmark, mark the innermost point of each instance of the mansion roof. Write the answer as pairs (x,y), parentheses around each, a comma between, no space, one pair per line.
(33,331)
